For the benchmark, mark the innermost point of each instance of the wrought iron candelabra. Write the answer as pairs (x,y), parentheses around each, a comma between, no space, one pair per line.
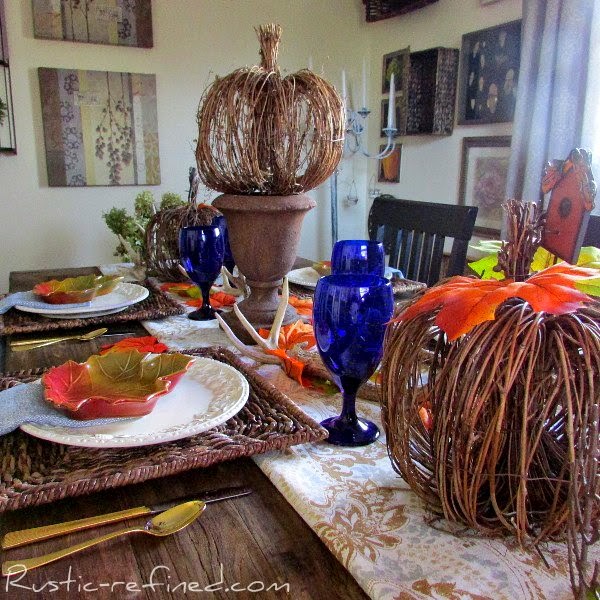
(355,129)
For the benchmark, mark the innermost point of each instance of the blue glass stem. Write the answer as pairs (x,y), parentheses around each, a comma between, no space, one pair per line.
(347,429)
(206,312)
(349,388)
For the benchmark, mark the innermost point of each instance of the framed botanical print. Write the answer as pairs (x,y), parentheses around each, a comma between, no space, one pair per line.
(100,127)
(114,22)
(7,121)
(397,63)
(489,74)
(389,167)
(483,175)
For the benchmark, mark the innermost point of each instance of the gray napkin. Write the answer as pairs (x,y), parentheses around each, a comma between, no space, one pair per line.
(30,300)
(25,404)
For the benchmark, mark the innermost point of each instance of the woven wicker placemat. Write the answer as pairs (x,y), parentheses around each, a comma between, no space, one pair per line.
(403,289)
(155,306)
(34,471)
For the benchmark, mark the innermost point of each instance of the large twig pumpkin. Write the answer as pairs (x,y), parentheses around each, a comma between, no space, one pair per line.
(490,400)
(261,133)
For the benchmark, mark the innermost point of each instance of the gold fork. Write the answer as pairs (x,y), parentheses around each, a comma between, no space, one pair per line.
(21,345)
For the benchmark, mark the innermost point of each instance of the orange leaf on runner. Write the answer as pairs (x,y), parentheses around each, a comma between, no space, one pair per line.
(465,302)
(303,306)
(221,299)
(143,344)
(292,366)
(290,335)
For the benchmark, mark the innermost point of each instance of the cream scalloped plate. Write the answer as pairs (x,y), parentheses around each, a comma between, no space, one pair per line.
(210,393)
(124,295)
(306,277)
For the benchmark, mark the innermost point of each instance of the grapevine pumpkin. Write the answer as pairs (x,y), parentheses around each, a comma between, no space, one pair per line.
(261,133)
(491,398)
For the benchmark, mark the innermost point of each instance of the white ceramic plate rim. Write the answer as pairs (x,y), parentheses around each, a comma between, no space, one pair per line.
(100,313)
(229,391)
(124,295)
(306,276)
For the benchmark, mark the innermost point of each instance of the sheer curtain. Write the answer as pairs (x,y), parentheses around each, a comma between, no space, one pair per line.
(558,97)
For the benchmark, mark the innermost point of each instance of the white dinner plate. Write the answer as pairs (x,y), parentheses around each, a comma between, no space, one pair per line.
(124,295)
(100,313)
(306,276)
(208,394)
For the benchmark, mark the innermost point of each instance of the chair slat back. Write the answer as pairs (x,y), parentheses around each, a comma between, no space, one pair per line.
(413,234)
(592,233)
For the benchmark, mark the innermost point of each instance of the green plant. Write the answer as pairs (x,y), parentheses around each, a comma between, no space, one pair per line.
(131,229)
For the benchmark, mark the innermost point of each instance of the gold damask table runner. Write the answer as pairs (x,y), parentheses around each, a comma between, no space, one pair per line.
(371,521)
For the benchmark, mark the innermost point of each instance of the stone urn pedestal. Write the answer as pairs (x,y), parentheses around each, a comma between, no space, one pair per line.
(264,232)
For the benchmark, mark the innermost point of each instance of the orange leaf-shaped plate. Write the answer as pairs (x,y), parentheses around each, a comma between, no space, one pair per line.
(116,384)
(75,290)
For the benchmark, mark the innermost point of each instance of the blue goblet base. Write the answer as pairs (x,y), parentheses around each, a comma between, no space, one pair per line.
(205,313)
(344,431)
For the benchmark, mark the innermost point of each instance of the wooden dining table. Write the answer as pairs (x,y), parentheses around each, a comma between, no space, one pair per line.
(254,545)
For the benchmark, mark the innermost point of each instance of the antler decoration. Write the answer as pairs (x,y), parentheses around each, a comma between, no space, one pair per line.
(271,343)
(241,287)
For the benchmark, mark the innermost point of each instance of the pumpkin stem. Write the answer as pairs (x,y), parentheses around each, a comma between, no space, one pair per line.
(525,221)
(268,37)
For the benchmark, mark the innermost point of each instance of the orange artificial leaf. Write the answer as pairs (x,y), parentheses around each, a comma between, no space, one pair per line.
(142,344)
(176,287)
(303,306)
(221,299)
(464,302)
(292,366)
(290,335)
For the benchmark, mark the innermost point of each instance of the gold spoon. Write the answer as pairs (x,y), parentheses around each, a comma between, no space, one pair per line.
(38,343)
(165,523)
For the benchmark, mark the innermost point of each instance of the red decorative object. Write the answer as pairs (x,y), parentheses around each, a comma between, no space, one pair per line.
(116,384)
(572,191)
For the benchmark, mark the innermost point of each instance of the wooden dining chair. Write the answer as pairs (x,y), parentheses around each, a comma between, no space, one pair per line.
(413,234)
(592,233)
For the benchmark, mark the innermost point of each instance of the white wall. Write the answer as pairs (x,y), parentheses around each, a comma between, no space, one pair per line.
(43,227)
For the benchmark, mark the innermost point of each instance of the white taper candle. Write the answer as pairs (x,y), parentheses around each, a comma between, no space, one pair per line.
(391,107)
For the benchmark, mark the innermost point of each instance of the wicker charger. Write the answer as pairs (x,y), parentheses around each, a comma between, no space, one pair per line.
(156,306)
(34,471)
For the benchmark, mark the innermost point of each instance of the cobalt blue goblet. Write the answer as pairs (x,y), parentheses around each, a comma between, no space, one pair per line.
(228,260)
(358,256)
(349,318)
(201,250)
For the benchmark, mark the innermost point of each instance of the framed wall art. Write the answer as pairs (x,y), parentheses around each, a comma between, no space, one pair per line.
(100,127)
(489,74)
(8,142)
(114,22)
(389,167)
(397,63)
(483,173)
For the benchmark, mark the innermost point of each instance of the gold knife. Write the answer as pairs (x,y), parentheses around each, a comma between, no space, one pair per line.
(14,539)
